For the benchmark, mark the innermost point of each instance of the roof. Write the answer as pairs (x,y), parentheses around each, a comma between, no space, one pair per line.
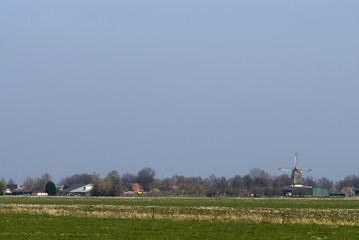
(136,187)
(80,188)
(174,187)
(30,191)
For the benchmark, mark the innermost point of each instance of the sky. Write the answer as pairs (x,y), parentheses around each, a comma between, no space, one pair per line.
(192,88)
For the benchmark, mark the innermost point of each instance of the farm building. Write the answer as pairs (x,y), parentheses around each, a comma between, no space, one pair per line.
(29,192)
(349,191)
(23,192)
(81,189)
(320,192)
(298,191)
(137,188)
(336,194)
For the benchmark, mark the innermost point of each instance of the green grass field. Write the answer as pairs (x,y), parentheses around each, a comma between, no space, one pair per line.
(316,203)
(177,218)
(26,226)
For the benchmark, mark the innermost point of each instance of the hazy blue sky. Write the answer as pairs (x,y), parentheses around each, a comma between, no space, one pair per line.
(185,87)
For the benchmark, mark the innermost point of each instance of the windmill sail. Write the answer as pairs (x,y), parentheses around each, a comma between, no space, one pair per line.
(296,173)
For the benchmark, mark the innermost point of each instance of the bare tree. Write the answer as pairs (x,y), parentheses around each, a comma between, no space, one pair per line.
(216,185)
(309,181)
(166,184)
(29,183)
(281,181)
(11,184)
(41,182)
(127,180)
(348,181)
(324,183)
(76,179)
(236,185)
(146,177)
(261,180)
(248,184)
(37,183)
(278,184)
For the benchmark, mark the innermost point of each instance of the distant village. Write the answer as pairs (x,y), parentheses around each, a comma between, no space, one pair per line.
(256,183)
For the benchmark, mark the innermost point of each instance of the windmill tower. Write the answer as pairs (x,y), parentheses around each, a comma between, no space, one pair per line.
(296,179)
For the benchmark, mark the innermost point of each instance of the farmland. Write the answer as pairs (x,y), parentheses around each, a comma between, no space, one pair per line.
(178,218)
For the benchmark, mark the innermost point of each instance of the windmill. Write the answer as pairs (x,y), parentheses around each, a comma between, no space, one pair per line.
(296,177)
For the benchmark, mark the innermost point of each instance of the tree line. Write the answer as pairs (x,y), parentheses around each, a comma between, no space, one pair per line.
(256,182)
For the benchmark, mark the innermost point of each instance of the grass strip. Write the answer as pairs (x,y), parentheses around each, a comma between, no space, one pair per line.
(343,217)
(26,226)
(313,203)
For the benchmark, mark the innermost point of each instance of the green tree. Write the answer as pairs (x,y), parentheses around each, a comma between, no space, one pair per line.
(95,185)
(51,188)
(2,188)
(101,187)
(116,183)
(105,187)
